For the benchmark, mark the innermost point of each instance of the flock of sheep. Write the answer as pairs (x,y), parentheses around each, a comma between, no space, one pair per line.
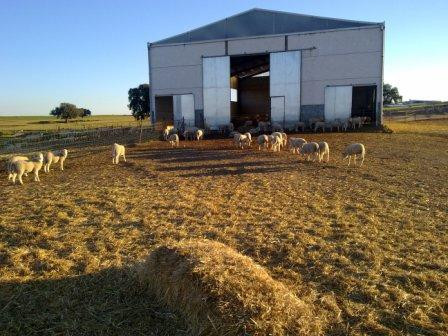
(278,139)
(17,166)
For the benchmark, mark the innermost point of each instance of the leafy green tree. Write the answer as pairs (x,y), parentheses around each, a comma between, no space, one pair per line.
(85,112)
(66,111)
(391,94)
(139,104)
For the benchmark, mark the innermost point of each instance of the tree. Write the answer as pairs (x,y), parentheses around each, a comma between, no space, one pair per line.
(66,111)
(391,94)
(85,112)
(139,104)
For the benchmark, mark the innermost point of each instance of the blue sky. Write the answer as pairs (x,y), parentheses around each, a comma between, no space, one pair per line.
(91,52)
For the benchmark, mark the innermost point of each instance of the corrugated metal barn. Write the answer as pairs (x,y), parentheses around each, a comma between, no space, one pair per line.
(264,65)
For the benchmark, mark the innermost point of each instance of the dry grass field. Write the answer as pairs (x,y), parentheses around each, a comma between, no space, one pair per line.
(367,247)
(9,125)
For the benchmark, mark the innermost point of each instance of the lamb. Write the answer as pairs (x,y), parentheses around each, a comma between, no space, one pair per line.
(324,150)
(21,167)
(319,124)
(285,139)
(310,149)
(300,125)
(280,136)
(55,157)
(173,140)
(117,151)
(11,161)
(295,144)
(353,150)
(241,140)
(249,138)
(275,141)
(357,121)
(190,133)
(263,141)
(199,134)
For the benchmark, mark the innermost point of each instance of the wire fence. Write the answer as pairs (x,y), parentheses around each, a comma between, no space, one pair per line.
(416,113)
(40,141)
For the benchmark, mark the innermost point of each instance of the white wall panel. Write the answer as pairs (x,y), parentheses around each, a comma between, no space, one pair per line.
(216,74)
(338,102)
(285,81)
(183,109)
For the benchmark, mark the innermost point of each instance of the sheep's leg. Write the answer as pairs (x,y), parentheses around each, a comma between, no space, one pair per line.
(113,160)
(117,158)
(328,156)
(349,158)
(62,163)
(14,175)
(362,160)
(124,157)
(354,160)
(20,177)
(36,176)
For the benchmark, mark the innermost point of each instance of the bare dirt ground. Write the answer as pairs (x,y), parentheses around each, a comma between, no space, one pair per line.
(368,246)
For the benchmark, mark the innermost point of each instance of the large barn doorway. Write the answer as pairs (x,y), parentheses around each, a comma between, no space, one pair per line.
(364,102)
(249,85)
(164,111)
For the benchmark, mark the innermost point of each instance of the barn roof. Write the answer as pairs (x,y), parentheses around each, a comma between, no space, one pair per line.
(262,22)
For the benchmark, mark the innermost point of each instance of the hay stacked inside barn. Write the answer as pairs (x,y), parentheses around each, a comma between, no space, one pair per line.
(219,291)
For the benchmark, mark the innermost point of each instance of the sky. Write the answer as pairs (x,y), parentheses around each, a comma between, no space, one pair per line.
(91,52)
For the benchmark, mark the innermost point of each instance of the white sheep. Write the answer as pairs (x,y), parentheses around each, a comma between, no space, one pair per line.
(199,134)
(190,132)
(263,141)
(324,150)
(353,150)
(280,136)
(357,121)
(241,140)
(249,138)
(319,124)
(295,144)
(117,151)
(21,167)
(310,149)
(11,161)
(173,140)
(236,138)
(300,125)
(276,142)
(284,139)
(55,157)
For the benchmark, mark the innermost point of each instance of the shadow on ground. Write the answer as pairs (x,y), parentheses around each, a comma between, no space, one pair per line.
(110,302)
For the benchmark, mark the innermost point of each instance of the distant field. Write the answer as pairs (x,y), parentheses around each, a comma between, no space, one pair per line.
(9,125)
(366,247)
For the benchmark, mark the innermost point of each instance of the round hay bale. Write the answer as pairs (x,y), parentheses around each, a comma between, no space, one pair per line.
(219,291)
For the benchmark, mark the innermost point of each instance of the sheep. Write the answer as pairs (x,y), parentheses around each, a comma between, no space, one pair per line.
(236,138)
(55,157)
(295,144)
(357,121)
(190,133)
(280,136)
(263,141)
(312,121)
(344,124)
(310,149)
(199,134)
(11,161)
(117,151)
(173,140)
(324,150)
(168,131)
(300,125)
(285,139)
(353,150)
(241,140)
(319,124)
(249,137)
(21,167)
(276,141)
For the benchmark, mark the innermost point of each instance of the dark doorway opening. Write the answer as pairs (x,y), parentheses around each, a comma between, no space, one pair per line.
(164,111)
(364,102)
(250,89)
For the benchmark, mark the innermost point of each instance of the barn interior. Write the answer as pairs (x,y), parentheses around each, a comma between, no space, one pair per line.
(364,102)
(249,83)
(164,108)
